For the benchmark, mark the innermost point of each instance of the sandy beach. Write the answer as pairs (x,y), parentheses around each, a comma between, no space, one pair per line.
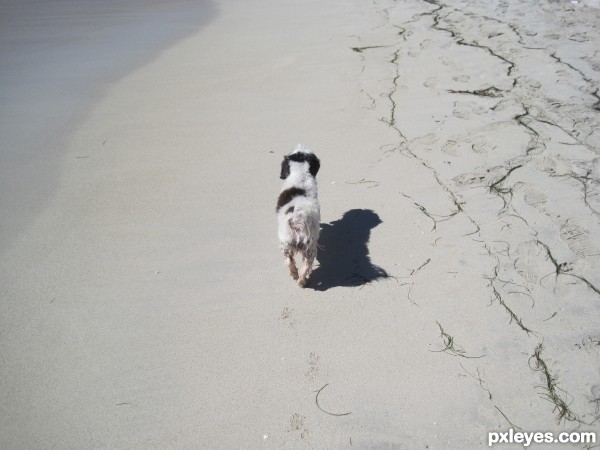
(145,302)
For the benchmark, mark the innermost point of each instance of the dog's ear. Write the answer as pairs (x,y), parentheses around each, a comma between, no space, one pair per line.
(313,164)
(285,168)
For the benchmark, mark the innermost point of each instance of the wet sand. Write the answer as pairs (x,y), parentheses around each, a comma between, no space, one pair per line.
(457,291)
(58,57)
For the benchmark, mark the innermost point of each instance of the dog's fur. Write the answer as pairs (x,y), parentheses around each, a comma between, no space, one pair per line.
(298,211)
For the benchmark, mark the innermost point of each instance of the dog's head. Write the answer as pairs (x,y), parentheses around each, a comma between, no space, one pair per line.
(300,155)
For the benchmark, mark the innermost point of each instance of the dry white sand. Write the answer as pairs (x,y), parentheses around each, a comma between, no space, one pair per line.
(147,305)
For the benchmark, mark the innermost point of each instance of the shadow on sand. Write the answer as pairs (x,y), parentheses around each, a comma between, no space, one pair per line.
(343,254)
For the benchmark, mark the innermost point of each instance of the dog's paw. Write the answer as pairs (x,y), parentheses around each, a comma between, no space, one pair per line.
(302,282)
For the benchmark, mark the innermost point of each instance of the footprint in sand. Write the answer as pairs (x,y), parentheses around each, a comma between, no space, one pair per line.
(287,315)
(448,62)
(427,43)
(431,82)
(477,144)
(595,169)
(482,146)
(553,166)
(535,198)
(313,367)
(297,424)
(470,178)
(424,142)
(461,78)
(530,82)
(468,110)
(593,62)
(578,239)
(454,147)
(530,262)
(579,37)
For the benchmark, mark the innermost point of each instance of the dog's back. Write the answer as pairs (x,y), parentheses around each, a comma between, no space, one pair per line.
(299,223)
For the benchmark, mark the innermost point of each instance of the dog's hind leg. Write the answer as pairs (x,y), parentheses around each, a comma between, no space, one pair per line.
(308,256)
(291,263)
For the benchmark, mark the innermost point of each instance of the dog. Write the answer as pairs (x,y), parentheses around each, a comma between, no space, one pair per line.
(298,211)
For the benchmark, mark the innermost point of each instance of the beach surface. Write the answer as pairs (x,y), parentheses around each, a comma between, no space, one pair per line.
(145,300)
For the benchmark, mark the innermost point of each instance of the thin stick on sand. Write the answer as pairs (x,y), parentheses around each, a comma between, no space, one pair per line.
(327,412)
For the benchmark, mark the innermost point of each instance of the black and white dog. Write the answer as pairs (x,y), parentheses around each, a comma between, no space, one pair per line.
(298,211)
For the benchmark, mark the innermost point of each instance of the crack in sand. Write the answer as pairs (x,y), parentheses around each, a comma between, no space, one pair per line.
(390,96)
(564,269)
(451,348)
(584,180)
(503,191)
(461,40)
(516,427)
(552,391)
(542,113)
(496,295)
(596,105)
(479,380)
(575,69)
(368,47)
(491,91)
(534,141)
